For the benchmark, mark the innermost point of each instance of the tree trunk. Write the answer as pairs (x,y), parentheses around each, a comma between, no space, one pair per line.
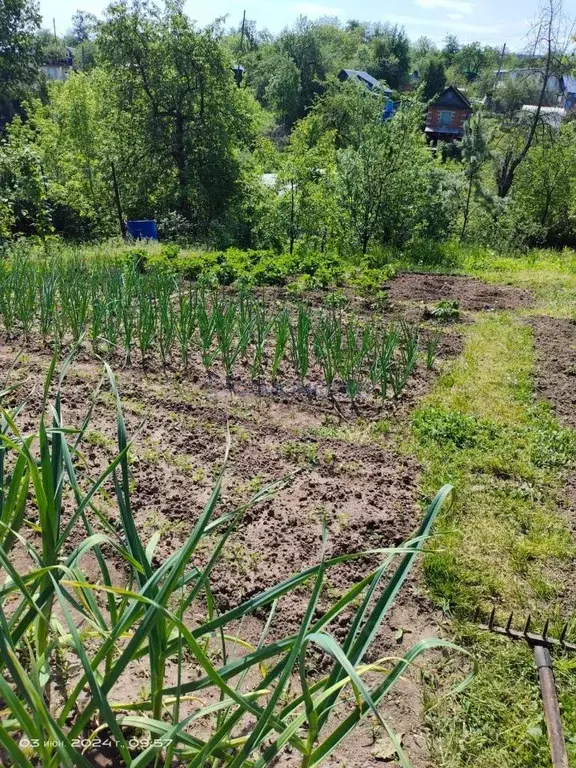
(181,161)
(466,210)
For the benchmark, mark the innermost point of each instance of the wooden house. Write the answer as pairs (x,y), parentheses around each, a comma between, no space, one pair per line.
(447,115)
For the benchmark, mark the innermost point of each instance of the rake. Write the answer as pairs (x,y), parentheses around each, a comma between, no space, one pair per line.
(541,645)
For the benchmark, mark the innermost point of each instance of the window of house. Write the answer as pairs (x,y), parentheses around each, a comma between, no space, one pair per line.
(445,118)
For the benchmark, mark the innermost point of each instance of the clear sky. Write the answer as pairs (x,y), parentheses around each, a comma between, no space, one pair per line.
(493,22)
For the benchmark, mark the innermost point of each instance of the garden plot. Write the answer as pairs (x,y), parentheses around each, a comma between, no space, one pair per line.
(344,479)
(347,473)
(471,294)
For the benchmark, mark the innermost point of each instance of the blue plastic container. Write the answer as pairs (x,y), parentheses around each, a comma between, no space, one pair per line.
(142,230)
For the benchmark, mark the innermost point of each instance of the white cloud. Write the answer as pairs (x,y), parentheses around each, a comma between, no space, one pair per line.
(460,6)
(315,10)
(455,16)
(457,26)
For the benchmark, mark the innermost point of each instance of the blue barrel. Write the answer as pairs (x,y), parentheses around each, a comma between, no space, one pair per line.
(142,230)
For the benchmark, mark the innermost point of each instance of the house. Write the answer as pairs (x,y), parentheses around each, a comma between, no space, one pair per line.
(58,67)
(553,84)
(447,115)
(549,116)
(560,89)
(364,79)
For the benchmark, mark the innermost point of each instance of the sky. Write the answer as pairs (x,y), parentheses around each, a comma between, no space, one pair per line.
(493,22)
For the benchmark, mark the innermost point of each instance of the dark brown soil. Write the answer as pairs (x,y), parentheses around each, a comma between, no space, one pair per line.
(348,472)
(555,381)
(470,293)
(555,342)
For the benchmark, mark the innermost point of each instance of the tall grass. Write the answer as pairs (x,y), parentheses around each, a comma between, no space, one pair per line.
(54,618)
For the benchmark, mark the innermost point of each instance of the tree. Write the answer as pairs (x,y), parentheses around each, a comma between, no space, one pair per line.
(380,175)
(451,48)
(422,48)
(25,204)
(433,76)
(283,90)
(83,29)
(389,54)
(19,22)
(471,60)
(305,186)
(475,153)
(519,132)
(544,190)
(180,120)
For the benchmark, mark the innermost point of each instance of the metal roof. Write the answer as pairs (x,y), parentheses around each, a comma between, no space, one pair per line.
(365,79)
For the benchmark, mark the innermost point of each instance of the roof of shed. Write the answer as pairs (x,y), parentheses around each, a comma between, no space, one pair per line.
(364,78)
(452,97)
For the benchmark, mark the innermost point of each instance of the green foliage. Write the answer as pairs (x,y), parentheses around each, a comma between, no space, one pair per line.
(447,309)
(452,427)
(19,22)
(433,76)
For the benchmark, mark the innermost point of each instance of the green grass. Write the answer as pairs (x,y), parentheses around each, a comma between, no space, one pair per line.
(504,542)
(551,275)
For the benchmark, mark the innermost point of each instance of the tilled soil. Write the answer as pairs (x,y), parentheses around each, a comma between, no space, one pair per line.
(341,467)
(555,342)
(555,381)
(345,471)
(470,293)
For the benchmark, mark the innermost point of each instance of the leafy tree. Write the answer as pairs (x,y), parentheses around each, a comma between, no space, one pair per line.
(451,48)
(475,153)
(302,45)
(345,109)
(75,142)
(388,54)
(19,22)
(84,28)
(433,76)
(380,176)
(422,48)
(283,91)
(545,188)
(181,117)
(24,200)
(519,132)
(470,60)
(305,186)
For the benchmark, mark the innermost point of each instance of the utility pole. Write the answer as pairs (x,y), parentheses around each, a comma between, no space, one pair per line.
(54,27)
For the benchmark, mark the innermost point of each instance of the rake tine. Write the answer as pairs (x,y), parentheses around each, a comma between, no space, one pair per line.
(545,630)
(509,622)
(491,619)
(563,635)
(527,625)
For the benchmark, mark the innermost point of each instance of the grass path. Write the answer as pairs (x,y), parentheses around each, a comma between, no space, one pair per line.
(506,541)
(551,275)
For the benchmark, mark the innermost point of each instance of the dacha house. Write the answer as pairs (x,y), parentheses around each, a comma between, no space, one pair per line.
(447,115)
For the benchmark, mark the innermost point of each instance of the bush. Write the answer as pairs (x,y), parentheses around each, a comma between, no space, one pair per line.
(175,227)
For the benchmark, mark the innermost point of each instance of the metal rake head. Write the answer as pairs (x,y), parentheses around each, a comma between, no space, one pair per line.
(532,638)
